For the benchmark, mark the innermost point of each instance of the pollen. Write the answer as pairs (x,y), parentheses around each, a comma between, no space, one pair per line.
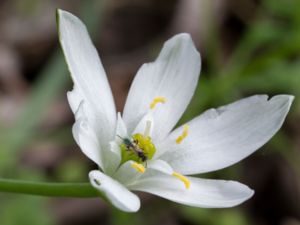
(184,134)
(138,167)
(182,178)
(157,100)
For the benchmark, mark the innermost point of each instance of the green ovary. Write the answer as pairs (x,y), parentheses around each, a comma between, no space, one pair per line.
(143,143)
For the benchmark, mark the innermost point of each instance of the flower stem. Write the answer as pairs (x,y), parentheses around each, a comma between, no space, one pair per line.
(79,190)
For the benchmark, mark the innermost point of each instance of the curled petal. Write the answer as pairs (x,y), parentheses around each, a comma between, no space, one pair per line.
(116,193)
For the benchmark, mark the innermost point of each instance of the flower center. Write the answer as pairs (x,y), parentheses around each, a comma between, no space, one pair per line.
(138,148)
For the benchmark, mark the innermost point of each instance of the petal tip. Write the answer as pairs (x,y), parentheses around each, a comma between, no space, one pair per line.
(66,18)
(61,14)
(284,100)
(289,98)
(240,192)
(183,36)
(248,192)
(184,39)
(245,192)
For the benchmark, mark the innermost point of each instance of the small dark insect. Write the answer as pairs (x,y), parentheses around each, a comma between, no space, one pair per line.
(133,146)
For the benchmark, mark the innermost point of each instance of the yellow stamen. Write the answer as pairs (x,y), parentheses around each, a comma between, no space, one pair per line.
(184,134)
(138,167)
(157,100)
(184,179)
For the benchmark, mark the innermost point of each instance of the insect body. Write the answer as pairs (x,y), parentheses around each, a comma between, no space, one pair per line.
(134,148)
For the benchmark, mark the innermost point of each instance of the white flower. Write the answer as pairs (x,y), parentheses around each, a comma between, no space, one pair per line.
(139,151)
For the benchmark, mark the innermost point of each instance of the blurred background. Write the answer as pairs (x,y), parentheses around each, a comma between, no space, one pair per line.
(247,47)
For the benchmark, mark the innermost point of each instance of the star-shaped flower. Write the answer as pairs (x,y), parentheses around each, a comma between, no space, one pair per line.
(140,151)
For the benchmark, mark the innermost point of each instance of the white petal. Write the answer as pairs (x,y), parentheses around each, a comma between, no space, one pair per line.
(86,138)
(202,192)
(121,130)
(114,159)
(221,137)
(74,99)
(115,149)
(141,127)
(90,82)
(116,193)
(160,165)
(126,174)
(173,75)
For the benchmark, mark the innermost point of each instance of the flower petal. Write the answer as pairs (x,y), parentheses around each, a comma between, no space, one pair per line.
(126,174)
(86,138)
(221,137)
(203,193)
(173,76)
(90,82)
(141,126)
(160,165)
(114,159)
(116,193)
(121,130)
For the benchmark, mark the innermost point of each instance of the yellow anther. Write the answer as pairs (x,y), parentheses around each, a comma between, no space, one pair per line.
(184,134)
(138,167)
(182,178)
(157,100)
